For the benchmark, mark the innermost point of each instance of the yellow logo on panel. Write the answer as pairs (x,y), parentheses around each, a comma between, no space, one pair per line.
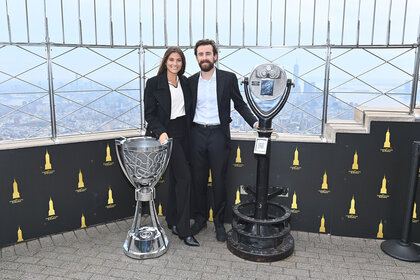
(82,221)
(80,184)
(238,159)
(111,203)
(415,220)
(380,233)
(383,193)
(15,194)
(387,144)
(160,212)
(294,207)
(355,166)
(238,197)
(48,167)
(322,226)
(324,187)
(108,158)
(211,215)
(210,181)
(296,163)
(51,211)
(352,210)
(19,235)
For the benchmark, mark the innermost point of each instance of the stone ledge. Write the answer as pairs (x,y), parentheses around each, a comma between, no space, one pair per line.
(363,116)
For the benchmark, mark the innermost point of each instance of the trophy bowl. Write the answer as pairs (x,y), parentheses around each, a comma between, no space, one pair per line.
(143,160)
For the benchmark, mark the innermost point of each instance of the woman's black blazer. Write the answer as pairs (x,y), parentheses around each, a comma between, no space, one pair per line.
(157,104)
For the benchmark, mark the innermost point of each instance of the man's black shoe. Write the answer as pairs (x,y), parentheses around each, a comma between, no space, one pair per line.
(174,230)
(221,234)
(197,227)
(191,241)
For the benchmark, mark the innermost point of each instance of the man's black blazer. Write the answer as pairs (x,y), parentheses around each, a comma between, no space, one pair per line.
(227,90)
(157,104)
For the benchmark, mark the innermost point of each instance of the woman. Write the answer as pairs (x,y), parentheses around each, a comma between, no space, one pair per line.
(167,102)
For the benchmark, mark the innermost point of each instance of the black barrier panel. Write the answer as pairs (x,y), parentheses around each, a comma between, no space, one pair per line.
(46,190)
(322,203)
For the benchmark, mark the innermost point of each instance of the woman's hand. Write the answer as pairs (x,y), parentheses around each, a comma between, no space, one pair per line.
(163,137)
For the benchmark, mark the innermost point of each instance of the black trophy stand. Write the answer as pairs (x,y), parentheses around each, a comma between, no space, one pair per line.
(403,249)
(260,228)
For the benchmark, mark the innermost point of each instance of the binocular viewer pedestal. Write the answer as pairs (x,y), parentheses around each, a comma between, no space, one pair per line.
(260,228)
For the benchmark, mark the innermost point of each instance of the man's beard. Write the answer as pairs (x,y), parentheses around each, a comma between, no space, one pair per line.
(208,67)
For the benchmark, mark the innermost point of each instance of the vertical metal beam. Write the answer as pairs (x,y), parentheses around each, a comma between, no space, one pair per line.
(111,28)
(342,25)
(204,17)
(142,64)
(326,84)
(50,77)
(177,21)
(271,23)
(96,25)
(8,23)
(80,23)
(27,21)
(405,21)
(313,23)
(141,70)
(230,22)
(190,22)
(243,23)
(299,22)
(415,74)
(358,25)
(165,29)
(125,24)
(388,31)
(256,23)
(62,20)
(153,22)
(373,22)
(217,28)
(284,23)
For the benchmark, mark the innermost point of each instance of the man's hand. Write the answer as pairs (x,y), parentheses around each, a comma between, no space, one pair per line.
(163,137)
(256,125)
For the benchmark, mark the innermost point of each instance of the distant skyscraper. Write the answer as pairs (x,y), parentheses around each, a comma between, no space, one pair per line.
(309,87)
(297,81)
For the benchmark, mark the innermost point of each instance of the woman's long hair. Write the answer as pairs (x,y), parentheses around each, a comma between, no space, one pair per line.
(162,67)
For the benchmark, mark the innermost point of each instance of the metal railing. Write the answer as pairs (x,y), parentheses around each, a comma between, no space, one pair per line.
(240,27)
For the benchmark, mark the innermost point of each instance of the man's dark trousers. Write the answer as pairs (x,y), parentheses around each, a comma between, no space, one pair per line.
(210,150)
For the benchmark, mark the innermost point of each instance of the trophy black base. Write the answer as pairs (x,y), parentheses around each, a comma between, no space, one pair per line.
(409,251)
(251,253)
(260,240)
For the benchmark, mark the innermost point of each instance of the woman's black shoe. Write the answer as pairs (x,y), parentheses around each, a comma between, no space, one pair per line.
(191,241)
(174,229)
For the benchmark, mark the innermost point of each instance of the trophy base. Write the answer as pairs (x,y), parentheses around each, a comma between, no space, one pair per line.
(145,243)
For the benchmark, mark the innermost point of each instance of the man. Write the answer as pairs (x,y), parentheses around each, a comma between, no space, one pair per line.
(212,92)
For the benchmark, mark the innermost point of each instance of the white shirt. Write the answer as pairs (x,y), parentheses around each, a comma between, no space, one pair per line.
(207,111)
(177,100)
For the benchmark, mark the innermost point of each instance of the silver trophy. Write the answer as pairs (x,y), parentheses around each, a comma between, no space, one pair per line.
(143,161)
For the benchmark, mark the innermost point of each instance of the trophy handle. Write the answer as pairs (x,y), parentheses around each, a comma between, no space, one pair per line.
(168,143)
(118,149)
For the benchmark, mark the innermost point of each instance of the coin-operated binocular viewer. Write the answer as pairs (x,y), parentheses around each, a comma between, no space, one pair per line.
(260,228)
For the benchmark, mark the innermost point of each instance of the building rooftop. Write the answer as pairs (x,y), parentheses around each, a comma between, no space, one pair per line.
(96,253)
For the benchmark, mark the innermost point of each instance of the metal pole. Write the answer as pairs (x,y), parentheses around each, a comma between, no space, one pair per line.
(326,84)
(142,85)
(415,74)
(50,78)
